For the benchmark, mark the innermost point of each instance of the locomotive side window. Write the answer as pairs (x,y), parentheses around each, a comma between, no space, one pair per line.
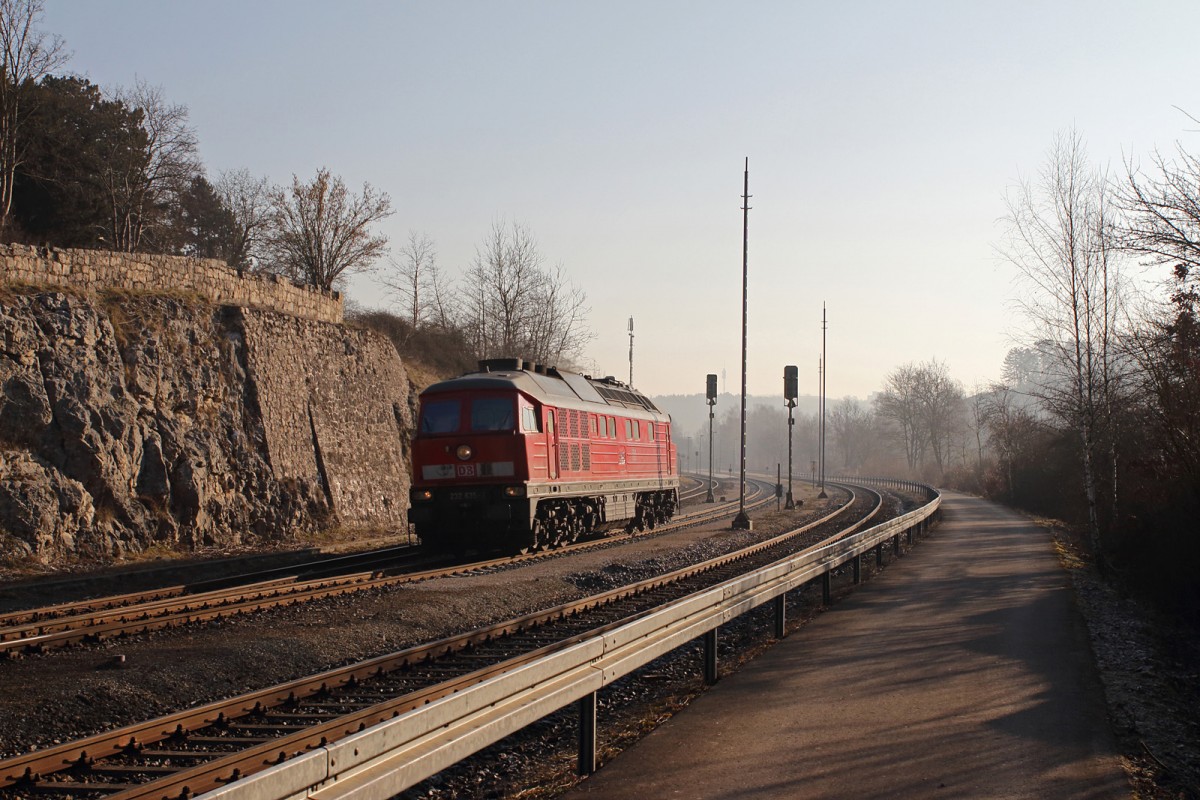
(628,430)
(440,416)
(492,414)
(651,424)
(529,419)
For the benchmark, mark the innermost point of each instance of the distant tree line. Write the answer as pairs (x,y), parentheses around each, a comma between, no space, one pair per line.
(85,167)
(1096,419)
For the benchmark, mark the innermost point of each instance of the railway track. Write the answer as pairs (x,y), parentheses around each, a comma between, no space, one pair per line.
(90,621)
(192,751)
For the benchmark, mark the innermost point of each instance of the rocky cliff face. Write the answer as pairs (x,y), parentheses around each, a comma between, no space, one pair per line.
(135,421)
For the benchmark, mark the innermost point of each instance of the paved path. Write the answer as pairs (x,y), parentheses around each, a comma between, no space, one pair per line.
(963,670)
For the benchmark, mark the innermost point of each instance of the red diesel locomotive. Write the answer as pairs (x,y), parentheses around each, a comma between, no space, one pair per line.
(518,457)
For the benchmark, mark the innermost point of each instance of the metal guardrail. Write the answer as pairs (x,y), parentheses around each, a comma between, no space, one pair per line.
(382,761)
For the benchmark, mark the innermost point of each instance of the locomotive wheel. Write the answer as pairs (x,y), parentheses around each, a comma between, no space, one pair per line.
(541,535)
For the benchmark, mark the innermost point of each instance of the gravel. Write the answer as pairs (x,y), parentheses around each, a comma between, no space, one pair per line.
(1151,671)
(65,694)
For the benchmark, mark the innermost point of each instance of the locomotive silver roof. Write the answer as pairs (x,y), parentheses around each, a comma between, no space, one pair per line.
(548,383)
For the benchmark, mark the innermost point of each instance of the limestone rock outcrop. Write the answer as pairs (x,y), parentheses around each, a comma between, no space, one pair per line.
(131,421)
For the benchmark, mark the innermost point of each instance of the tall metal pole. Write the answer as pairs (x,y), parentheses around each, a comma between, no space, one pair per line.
(631,352)
(824,369)
(742,520)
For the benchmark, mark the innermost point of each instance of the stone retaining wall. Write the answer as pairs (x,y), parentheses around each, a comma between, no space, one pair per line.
(95,270)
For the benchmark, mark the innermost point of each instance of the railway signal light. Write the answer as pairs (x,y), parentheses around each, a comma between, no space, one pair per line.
(791,390)
(711,386)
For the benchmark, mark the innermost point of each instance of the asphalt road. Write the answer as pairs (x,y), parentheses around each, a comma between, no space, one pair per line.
(963,670)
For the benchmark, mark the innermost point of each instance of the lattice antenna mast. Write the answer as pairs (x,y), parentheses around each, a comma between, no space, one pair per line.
(742,520)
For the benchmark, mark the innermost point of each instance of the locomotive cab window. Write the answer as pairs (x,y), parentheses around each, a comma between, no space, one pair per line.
(440,416)
(492,414)
(529,419)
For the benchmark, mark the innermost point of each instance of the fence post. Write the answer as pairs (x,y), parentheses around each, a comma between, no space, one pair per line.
(781,616)
(858,569)
(587,734)
(827,587)
(710,657)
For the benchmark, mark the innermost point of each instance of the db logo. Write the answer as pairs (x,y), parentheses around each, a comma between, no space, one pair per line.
(466,470)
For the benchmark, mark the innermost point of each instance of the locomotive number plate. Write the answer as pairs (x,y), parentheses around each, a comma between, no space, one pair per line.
(465,495)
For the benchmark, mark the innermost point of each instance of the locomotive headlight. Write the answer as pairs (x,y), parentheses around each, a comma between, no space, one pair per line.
(464,452)
(514,491)
(421,495)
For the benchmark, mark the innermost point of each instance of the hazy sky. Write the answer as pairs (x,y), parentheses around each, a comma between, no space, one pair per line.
(882,137)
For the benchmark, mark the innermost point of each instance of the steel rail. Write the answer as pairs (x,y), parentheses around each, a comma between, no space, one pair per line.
(381,762)
(31,768)
(112,619)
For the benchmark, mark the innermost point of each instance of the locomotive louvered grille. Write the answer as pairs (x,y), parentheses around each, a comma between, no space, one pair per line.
(587,457)
(575,415)
(575,456)
(564,458)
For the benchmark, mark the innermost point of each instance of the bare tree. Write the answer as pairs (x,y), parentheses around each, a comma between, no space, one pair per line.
(443,311)
(851,425)
(1162,225)
(899,403)
(1008,422)
(511,306)
(26,56)
(940,399)
(142,189)
(977,426)
(558,331)
(249,201)
(319,231)
(1162,212)
(413,277)
(926,405)
(1061,241)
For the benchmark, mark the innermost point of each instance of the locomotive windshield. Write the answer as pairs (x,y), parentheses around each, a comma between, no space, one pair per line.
(492,414)
(440,416)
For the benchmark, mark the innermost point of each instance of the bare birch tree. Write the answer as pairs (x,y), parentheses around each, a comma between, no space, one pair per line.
(1061,242)
(319,230)
(26,56)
